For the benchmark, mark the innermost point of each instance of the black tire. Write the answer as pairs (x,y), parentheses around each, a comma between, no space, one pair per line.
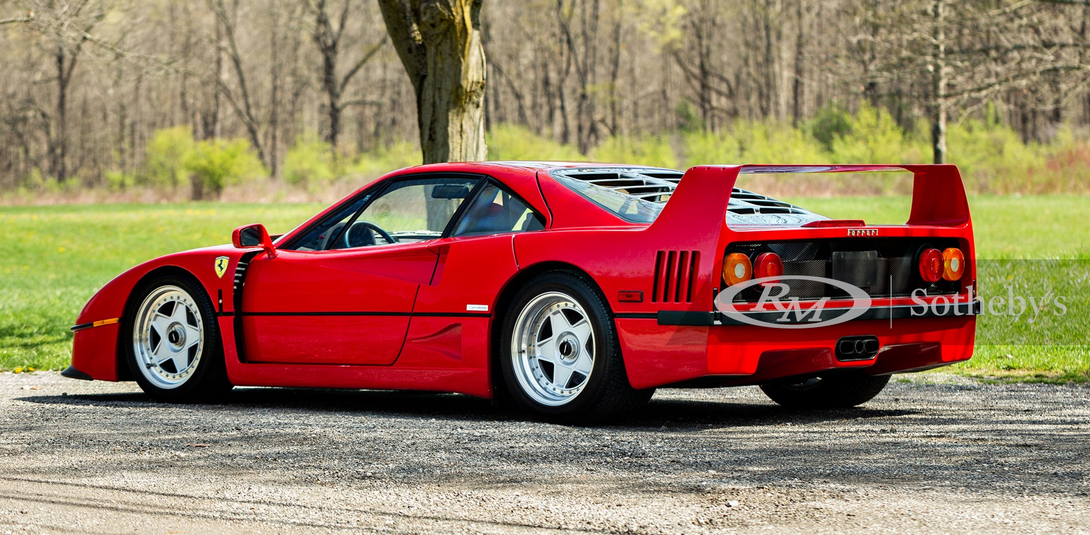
(833,391)
(604,394)
(204,377)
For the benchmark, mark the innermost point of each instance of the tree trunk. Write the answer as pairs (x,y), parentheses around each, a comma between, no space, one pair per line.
(797,89)
(328,41)
(938,83)
(60,143)
(274,97)
(439,43)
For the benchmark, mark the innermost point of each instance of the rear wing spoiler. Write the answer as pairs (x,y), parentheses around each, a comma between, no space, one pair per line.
(699,204)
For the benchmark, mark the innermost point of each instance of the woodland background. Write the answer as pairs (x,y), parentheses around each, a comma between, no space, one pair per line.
(258,99)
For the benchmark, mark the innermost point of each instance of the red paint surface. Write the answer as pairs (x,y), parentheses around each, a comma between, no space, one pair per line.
(409,326)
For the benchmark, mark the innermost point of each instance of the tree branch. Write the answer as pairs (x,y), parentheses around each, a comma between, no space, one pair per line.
(341,24)
(362,102)
(20,20)
(363,61)
(1019,48)
(1067,2)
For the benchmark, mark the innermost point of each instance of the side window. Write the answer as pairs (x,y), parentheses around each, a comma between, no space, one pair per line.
(496,211)
(318,237)
(409,211)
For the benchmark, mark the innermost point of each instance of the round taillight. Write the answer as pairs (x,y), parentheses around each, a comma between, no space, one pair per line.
(953,264)
(767,265)
(931,265)
(736,269)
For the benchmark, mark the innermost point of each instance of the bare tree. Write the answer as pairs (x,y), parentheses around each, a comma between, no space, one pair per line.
(328,34)
(67,28)
(88,82)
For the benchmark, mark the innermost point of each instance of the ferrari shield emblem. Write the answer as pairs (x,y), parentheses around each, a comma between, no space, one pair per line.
(221,265)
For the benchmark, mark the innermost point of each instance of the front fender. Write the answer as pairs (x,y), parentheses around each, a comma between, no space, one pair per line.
(95,346)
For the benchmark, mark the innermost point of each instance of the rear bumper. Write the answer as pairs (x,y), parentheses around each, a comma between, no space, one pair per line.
(728,353)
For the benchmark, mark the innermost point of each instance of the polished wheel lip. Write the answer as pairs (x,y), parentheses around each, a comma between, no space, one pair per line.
(176,336)
(570,349)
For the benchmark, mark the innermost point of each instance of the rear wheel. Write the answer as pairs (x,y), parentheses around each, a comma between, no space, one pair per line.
(560,356)
(172,342)
(840,390)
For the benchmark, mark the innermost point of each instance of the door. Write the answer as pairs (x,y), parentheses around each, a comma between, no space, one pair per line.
(343,291)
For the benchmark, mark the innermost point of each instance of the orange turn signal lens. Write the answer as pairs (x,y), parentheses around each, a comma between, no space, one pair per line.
(737,268)
(931,265)
(953,264)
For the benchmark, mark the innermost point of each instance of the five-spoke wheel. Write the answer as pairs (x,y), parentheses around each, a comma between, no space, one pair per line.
(174,351)
(560,355)
(554,348)
(168,337)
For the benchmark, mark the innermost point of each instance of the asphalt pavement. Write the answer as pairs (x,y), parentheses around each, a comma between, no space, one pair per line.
(936,454)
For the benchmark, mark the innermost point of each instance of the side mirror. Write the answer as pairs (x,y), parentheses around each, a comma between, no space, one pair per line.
(253,235)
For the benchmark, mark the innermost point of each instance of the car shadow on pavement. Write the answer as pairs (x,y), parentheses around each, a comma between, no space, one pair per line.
(672,413)
(659,414)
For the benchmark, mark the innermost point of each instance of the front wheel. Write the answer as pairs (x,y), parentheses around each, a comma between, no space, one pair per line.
(840,390)
(172,342)
(560,355)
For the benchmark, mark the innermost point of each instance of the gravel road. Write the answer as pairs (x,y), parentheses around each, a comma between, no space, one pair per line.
(938,454)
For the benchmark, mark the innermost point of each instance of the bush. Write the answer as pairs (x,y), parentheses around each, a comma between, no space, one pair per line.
(776,144)
(874,137)
(310,162)
(646,150)
(511,142)
(1067,166)
(992,157)
(385,158)
(829,123)
(708,148)
(165,157)
(119,180)
(216,163)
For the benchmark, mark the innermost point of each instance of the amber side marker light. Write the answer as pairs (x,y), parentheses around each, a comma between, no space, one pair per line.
(953,264)
(737,268)
(931,265)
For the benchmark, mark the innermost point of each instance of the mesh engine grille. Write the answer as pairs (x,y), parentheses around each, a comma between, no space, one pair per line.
(880,267)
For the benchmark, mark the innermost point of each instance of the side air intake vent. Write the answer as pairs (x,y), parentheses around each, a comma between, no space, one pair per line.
(674,275)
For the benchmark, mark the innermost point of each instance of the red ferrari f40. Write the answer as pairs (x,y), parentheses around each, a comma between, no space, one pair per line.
(573,289)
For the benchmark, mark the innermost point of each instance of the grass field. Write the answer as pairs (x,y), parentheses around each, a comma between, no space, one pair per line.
(1034,245)
(53,258)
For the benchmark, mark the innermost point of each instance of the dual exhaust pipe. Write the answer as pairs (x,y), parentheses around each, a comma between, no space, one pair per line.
(857,348)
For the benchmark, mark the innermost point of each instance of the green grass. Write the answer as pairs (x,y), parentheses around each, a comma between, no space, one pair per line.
(1033,244)
(55,257)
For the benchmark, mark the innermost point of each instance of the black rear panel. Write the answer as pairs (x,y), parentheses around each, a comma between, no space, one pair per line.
(881,267)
